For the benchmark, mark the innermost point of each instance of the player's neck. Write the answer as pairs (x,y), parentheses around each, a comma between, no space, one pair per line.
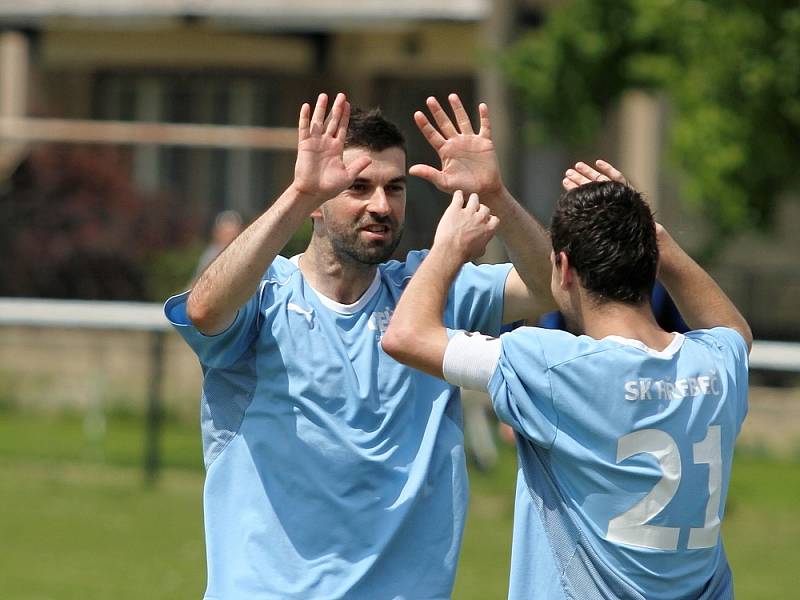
(635,322)
(342,281)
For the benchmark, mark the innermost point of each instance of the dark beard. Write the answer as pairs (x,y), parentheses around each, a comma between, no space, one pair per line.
(352,249)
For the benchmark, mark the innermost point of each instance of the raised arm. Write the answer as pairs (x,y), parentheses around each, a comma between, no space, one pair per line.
(469,163)
(701,302)
(320,174)
(416,335)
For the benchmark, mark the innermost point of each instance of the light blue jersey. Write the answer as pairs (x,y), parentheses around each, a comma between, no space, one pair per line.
(332,470)
(625,458)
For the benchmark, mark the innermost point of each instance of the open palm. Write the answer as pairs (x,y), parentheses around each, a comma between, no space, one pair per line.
(469,160)
(320,170)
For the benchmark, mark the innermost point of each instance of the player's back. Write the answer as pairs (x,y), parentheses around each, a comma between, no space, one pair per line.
(625,460)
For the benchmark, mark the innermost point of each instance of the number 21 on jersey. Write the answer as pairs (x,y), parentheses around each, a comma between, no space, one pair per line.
(631,527)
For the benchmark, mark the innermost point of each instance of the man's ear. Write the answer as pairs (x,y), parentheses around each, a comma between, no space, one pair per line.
(566,274)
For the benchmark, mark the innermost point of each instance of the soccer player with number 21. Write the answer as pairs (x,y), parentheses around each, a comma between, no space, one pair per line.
(625,432)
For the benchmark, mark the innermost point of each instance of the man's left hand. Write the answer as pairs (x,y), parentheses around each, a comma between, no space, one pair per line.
(469,160)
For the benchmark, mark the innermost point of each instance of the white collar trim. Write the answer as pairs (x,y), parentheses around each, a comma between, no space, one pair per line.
(344,309)
(668,352)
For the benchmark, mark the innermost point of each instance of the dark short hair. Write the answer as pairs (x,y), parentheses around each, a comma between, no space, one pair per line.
(607,231)
(371,130)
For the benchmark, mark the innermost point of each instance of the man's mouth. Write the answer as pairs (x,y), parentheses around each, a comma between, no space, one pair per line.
(377,231)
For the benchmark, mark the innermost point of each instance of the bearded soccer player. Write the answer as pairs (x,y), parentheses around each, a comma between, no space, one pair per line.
(333,471)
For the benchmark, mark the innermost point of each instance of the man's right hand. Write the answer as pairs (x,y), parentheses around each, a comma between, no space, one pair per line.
(320,172)
(465,229)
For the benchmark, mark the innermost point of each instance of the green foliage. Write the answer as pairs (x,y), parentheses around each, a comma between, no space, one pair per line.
(299,241)
(171,271)
(730,68)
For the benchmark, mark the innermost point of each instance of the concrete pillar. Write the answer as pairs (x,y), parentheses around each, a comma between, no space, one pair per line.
(14,84)
(496,33)
(14,65)
(640,118)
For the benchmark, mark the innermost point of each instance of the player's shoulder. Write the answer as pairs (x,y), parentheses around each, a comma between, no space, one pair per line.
(555,346)
(721,340)
(399,272)
(281,270)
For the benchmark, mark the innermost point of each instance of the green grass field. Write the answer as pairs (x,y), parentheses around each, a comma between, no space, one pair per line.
(77,522)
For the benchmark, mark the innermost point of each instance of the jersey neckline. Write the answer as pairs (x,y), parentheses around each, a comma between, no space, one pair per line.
(668,352)
(344,309)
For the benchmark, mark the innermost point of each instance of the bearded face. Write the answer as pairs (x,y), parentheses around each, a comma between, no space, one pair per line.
(364,223)
(371,240)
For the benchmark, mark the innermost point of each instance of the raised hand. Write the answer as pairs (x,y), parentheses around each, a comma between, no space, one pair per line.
(469,160)
(583,173)
(320,170)
(465,229)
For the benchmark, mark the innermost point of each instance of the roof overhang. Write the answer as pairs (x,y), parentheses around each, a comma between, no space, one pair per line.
(267,14)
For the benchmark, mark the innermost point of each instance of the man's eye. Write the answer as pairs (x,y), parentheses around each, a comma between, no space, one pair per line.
(395,189)
(358,187)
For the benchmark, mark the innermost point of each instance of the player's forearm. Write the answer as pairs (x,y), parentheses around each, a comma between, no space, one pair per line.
(416,335)
(233,277)
(528,245)
(701,302)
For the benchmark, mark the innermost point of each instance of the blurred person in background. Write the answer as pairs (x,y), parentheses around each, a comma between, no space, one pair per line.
(626,432)
(332,470)
(227,225)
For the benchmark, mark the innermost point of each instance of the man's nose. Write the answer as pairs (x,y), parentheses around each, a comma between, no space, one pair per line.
(379,203)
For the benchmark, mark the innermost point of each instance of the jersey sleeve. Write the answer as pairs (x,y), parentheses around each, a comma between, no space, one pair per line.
(223,349)
(521,388)
(735,357)
(476,298)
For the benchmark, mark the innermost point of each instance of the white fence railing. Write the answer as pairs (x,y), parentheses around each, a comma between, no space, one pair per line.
(770,356)
(125,316)
(146,316)
(775,356)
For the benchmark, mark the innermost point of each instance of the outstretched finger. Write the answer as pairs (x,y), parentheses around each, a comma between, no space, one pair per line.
(568,184)
(344,121)
(303,124)
(462,118)
(428,173)
(441,118)
(318,117)
(611,172)
(332,121)
(427,129)
(493,224)
(473,203)
(358,165)
(486,126)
